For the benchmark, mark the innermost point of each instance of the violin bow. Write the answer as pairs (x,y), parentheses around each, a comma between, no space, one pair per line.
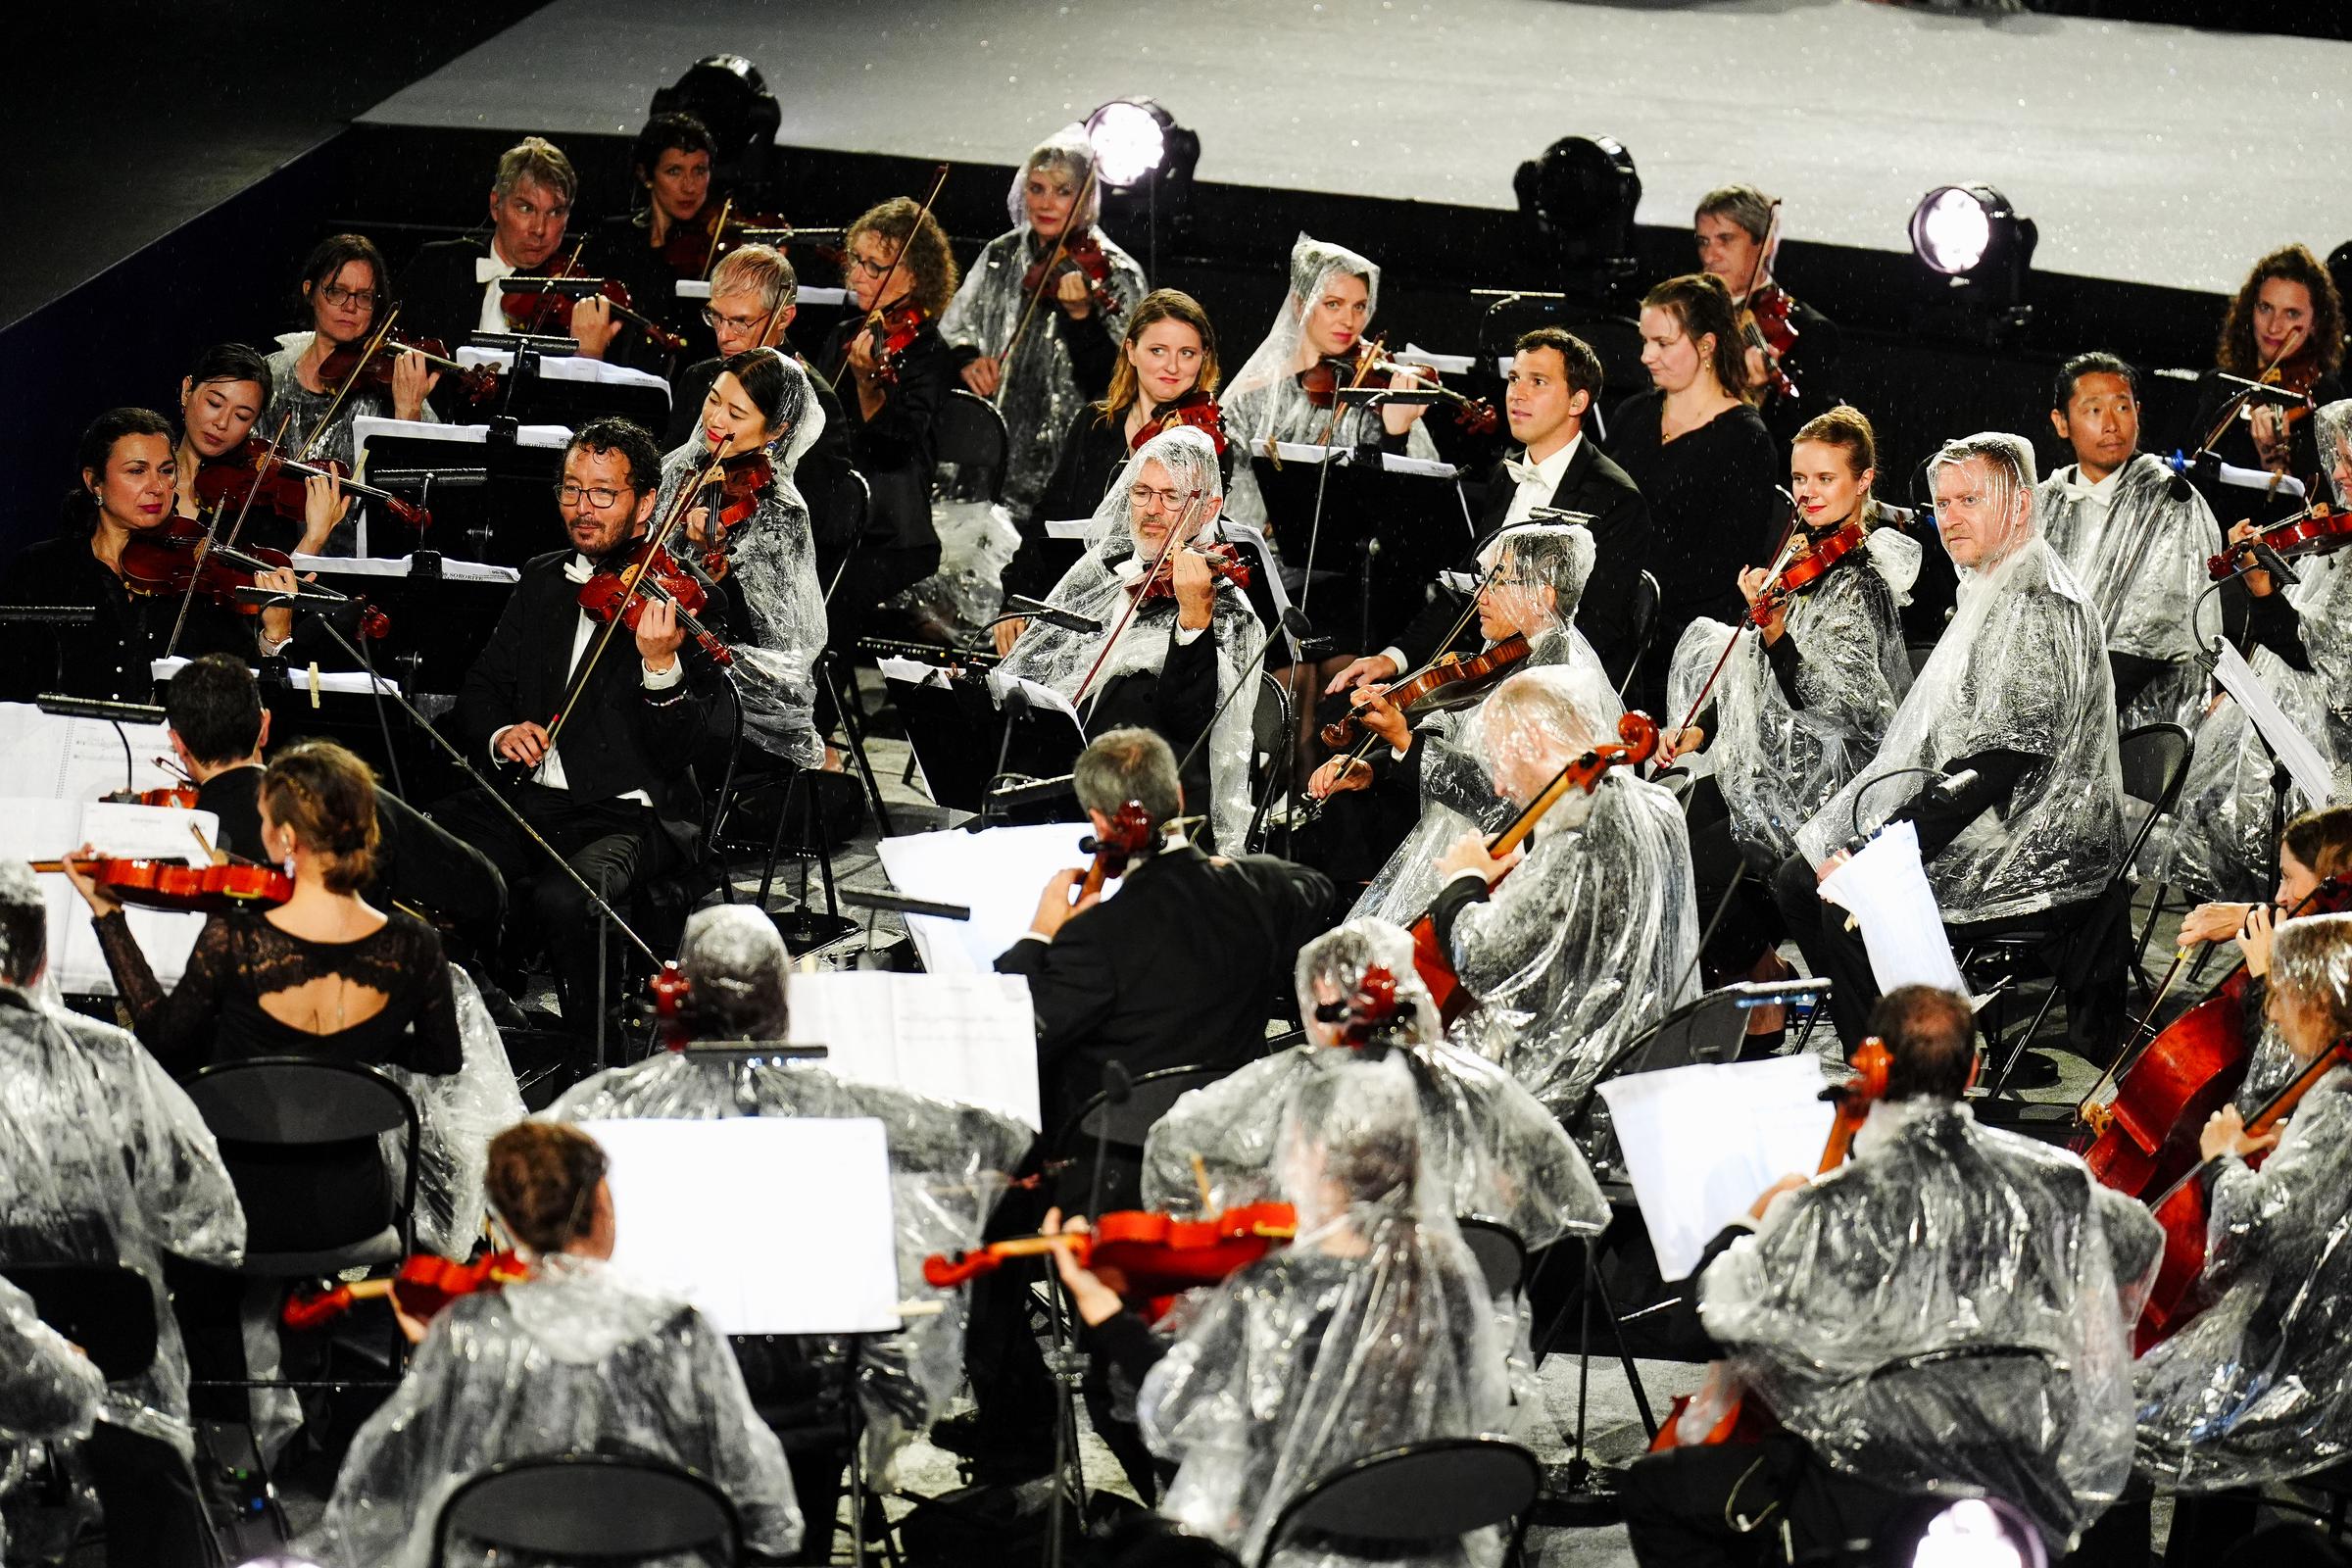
(1746,619)
(882,299)
(335,404)
(2237,400)
(1167,548)
(212,531)
(1061,244)
(718,237)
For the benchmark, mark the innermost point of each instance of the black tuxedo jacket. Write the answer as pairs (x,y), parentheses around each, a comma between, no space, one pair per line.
(1593,483)
(1182,968)
(439,296)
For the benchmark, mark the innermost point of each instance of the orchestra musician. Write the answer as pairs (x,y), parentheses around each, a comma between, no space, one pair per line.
(219,398)
(104,1160)
(1593,936)
(2011,727)
(898,260)
(1552,387)
(1167,361)
(2136,535)
(673,237)
(342,297)
(49,1387)
(455,287)
(1949,1308)
(1704,459)
(2285,326)
(126,479)
(1736,229)
(762,403)
(573,1357)
(2302,654)
(1802,701)
(1166,661)
(614,792)
(1040,354)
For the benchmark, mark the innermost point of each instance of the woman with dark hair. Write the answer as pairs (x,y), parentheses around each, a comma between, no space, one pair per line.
(1704,462)
(127,472)
(2286,326)
(668,239)
(344,295)
(220,399)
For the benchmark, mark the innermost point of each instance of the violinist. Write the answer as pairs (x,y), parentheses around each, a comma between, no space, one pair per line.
(342,297)
(762,412)
(454,288)
(2285,326)
(219,398)
(2016,793)
(573,1357)
(126,476)
(104,1160)
(2137,535)
(1166,376)
(900,270)
(1040,346)
(1591,937)
(2216,1421)
(1176,637)
(671,238)
(1947,1309)
(2301,642)
(1738,233)
(1799,701)
(1705,464)
(613,794)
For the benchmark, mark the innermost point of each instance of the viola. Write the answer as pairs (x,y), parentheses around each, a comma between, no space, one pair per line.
(1142,1254)
(182,796)
(1224,562)
(2317,530)
(623,582)
(1196,408)
(540,302)
(1130,837)
(1636,739)
(893,330)
(422,1286)
(177,559)
(370,365)
(1802,573)
(280,484)
(2186,1212)
(1371,367)
(1084,256)
(1446,682)
(185,889)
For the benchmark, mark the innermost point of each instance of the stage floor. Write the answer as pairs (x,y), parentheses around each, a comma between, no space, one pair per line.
(2146,154)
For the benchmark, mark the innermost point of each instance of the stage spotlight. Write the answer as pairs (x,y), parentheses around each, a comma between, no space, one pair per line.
(1143,161)
(1578,200)
(1978,1533)
(729,96)
(1977,251)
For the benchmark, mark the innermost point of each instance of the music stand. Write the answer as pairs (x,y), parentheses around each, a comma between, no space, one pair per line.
(547,382)
(490,487)
(962,739)
(1393,520)
(442,612)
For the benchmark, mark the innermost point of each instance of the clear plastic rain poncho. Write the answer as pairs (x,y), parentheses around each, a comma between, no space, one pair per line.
(1370,1330)
(1949,1308)
(1774,762)
(458,1115)
(1594,937)
(1097,588)
(1457,795)
(949,1162)
(2258,1387)
(2143,562)
(104,1160)
(2022,667)
(577,1359)
(49,1391)
(1040,395)
(2226,824)
(774,574)
(1263,401)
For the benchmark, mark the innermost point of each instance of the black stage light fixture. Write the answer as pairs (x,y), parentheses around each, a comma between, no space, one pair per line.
(1144,162)
(729,96)
(1578,202)
(1976,250)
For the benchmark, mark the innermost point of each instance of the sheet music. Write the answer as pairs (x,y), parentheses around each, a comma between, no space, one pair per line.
(1068,528)
(45,828)
(1886,889)
(50,755)
(699,289)
(1001,686)
(1702,1143)
(1422,468)
(914,671)
(406,567)
(1444,364)
(567,368)
(970,1038)
(768,1224)
(556,436)
(2304,763)
(352,682)
(998,873)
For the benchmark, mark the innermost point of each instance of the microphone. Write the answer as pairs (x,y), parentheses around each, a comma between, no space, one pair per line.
(1952,786)
(2211,467)
(112,712)
(1118,1087)
(1050,614)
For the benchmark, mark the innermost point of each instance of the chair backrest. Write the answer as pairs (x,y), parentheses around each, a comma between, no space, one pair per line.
(1645,625)
(969,432)
(1429,1491)
(1128,1121)
(607,1508)
(1270,736)
(289,1104)
(106,1308)
(1707,1028)
(2155,764)
(1499,1251)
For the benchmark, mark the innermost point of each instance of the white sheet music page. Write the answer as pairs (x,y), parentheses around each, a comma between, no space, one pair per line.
(77,758)
(43,829)
(1702,1143)
(768,1224)
(1887,890)
(966,1037)
(998,874)
(2304,763)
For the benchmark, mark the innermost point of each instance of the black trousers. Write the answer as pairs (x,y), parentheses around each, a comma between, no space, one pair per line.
(153,1517)
(440,875)
(1723,868)
(614,845)
(1681,1508)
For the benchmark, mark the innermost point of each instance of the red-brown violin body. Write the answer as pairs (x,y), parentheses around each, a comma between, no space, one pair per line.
(2317,530)
(1805,570)
(893,330)
(547,311)
(169,560)
(1224,561)
(185,889)
(1196,408)
(1131,835)
(373,362)
(1142,1254)
(280,485)
(1371,367)
(622,584)
(1446,682)
(1084,256)
(423,1287)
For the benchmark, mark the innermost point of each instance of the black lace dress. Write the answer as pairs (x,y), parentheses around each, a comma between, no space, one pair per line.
(215,1014)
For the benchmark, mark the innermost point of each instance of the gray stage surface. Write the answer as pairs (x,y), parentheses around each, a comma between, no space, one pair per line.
(2146,154)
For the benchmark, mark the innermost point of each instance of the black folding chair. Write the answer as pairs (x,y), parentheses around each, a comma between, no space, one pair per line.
(1128,1120)
(1432,1491)
(1499,1251)
(607,1508)
(968,436)
(1645,626)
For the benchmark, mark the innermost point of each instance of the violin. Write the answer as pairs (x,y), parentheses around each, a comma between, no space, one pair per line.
(1446,682)
(1636,739)
(1197,409)
(540,302)
(1764,324)
(741,482)
(1224,562)
(1369,1014)
(1131,836)
(1371,367)
(1140,1253)
(181,796)
(693,248)
(1084,256)
(624,581)
(422,1286)
(2186,1212)
(2318,529)
(1803,573)
(280,484)
(185,889)
(176,556)
(893,330)
(372,363)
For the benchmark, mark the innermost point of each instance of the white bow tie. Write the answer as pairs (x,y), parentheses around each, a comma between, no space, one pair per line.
(489,270)
(1523,473)
(579,568)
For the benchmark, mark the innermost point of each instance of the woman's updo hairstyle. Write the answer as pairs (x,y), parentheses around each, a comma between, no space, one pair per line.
(1702,307)
(325,797)
(541,1178)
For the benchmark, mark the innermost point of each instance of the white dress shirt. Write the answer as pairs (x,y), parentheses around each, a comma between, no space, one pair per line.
(492,271)
(1536,484)
(549,770)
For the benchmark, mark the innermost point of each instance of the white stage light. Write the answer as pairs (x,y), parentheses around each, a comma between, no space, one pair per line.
(1951,230)
(1978,1533)
(1130,138)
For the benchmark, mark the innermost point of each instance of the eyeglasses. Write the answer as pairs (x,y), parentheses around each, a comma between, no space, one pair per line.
(871,267)
(739,323)
(1143,494)
(596,496)
(338,296)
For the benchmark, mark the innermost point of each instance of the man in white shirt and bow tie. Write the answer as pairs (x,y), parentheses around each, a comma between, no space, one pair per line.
(455,287)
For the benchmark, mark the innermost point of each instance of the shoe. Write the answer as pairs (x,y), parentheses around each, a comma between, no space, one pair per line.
(993,1455)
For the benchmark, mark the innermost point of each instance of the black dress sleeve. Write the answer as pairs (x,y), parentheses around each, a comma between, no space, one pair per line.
(433,1044)
(177,1028)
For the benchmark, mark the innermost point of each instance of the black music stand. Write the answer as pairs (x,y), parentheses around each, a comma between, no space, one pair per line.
(491,499)
(1384,536)
(442,613)
(963,741)
(547,382)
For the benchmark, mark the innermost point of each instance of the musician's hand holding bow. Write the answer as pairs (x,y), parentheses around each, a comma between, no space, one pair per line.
(2226,1133)
(1057,905)
(525,743)
(1773,623)
(1096,1303)
(1337,775)
(983,375)
(1682,745)
(1469,853)
(1195,590)
(659,635)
